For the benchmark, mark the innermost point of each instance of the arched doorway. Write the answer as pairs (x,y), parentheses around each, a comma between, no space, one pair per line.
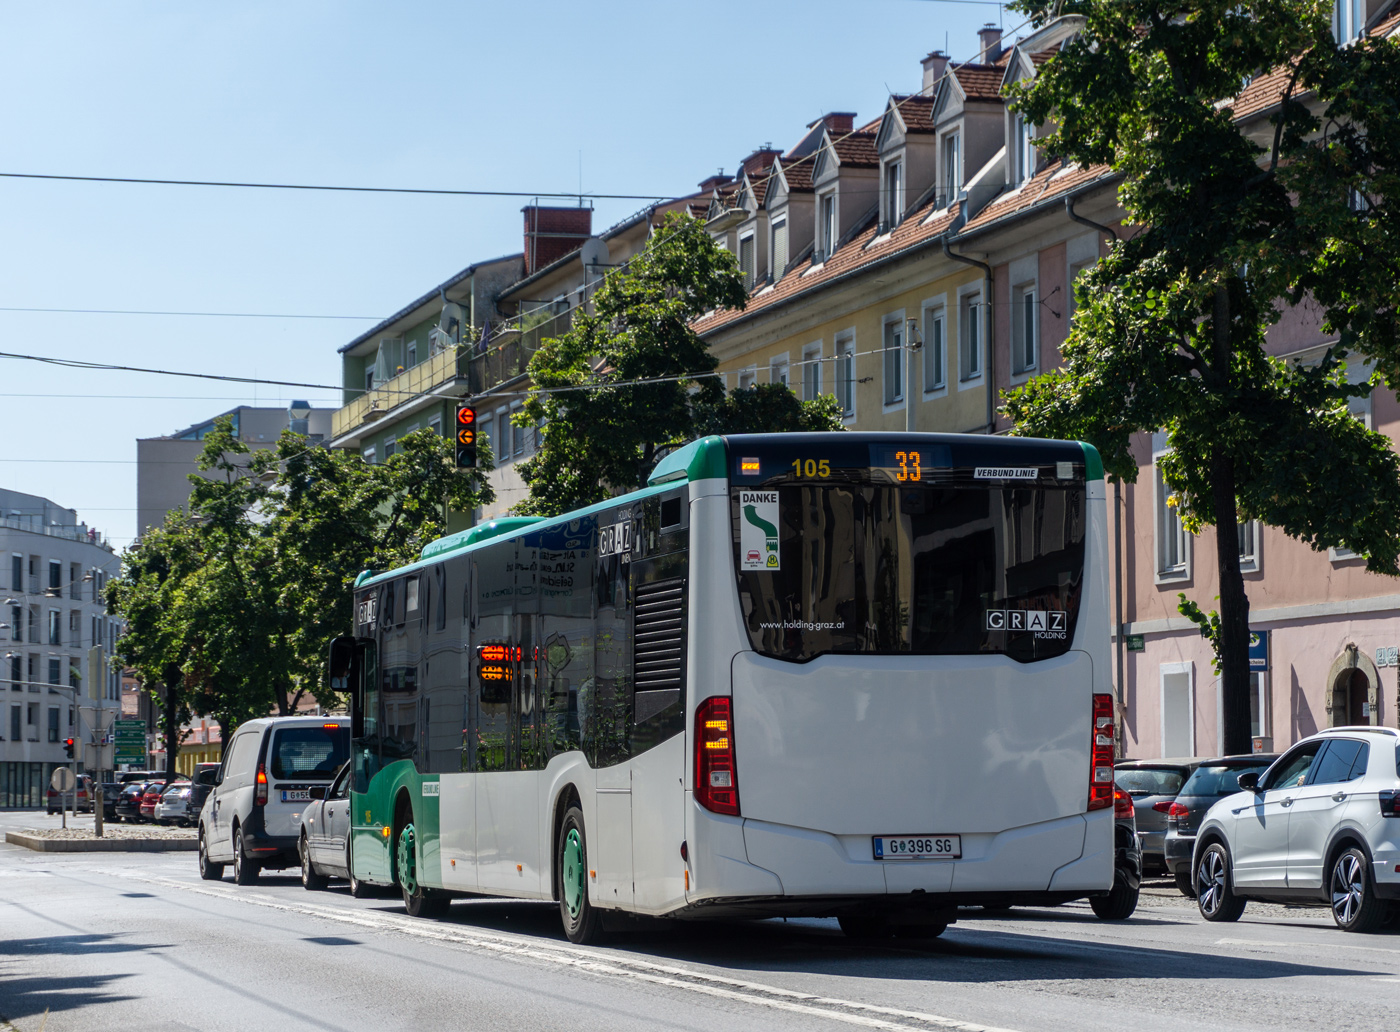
(1353,689)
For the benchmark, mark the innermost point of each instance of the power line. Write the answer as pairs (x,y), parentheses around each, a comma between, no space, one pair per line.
(221,315)
(106,367)
(339,189)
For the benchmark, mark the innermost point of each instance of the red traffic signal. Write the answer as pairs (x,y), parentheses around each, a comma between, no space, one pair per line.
(68,747)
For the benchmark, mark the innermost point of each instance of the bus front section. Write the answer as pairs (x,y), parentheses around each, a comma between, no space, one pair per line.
(901,677)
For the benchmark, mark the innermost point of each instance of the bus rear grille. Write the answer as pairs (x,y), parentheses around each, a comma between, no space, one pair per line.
(658,640)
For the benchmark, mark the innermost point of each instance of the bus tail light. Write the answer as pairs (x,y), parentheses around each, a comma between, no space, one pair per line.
(716,780)
(260,795)
(1101,754)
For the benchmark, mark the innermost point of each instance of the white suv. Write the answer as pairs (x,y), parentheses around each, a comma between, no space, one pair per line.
(1321,825)
(253,813)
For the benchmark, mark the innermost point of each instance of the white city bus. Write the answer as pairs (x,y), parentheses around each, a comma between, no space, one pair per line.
(860,675)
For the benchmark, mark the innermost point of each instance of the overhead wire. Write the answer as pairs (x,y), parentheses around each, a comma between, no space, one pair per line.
(220,315)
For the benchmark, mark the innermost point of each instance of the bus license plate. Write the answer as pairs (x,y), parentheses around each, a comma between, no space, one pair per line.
(918,847)
(296,795)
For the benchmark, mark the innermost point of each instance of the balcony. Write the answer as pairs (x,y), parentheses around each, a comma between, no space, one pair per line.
(437,370)
(508,357)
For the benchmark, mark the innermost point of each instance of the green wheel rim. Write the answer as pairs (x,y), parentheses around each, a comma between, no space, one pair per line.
(408,869)
(574,885)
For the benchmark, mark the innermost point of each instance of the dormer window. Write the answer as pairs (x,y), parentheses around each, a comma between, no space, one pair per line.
(826,224)
(1348,20)
(952,168)
(780,248)
(894,194)
(747,260)
(1023,149)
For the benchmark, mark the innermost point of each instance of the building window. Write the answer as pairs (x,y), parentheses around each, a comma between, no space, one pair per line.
(1171,535)
(55,670)
(17,573)
(746,260)
(34,624)
(952,168)
(435,426)
(32,672)
(748,378)
(778,370)
(1178,710)
(53,723)
(811,371)
(55,577)
(780,249)
(1258,704)
(846,376)
(75,676)
(391,445)
(55,627)
(970,336)
(485,430)
(826,225)
(16,730)
(411,355)
(1249,533)
(1022,149)
(892,355)
(1348,20)
(75,628)
(521,437)
(31,718)
(16,672)
(17,623)
(894,194)
(1024,323)
(368,455)
(935,349)
(503,432)
(75,581)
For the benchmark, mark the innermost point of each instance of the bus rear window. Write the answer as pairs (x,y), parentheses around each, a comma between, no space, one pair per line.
(940,569)
(309,753)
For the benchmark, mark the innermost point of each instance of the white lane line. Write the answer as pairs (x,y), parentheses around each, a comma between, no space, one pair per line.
(1268,943)
(850,1012)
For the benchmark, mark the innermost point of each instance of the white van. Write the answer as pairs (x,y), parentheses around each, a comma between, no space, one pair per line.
(253,814)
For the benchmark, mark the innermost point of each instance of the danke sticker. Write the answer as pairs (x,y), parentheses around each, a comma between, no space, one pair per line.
(758,535)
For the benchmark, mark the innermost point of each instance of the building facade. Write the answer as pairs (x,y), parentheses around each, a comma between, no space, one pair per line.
(53,570)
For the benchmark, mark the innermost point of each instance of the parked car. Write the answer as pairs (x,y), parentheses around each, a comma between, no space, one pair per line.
(1321,825)
(111,790)
(56,801)
(173,807)
(201,784)
(1209,782)
(151,798)
(1153,784)
(324,840)
(1122,899)
(128,806)
(252,818)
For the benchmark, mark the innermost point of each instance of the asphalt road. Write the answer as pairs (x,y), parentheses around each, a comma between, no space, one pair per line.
(116,942)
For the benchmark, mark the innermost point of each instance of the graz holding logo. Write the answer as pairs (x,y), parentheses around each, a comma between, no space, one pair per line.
(1052,623)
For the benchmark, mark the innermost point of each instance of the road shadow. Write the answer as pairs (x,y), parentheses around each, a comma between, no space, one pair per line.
(73,945)
(25,996)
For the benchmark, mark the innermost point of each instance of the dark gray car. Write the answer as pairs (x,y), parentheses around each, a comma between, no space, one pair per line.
(1212,780)
(1153,784)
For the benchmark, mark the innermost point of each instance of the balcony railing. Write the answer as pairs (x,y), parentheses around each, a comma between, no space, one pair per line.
(508,357)
(425,376)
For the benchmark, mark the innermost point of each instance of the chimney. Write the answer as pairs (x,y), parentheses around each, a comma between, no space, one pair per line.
(934,66)
(551,233)
(837,121)
(719,179)
(989,43)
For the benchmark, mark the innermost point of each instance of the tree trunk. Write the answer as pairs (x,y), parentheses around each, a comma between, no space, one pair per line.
(1234,603)
(172,733)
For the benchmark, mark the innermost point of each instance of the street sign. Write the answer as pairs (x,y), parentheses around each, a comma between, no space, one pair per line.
(1136,643)
(62,780)
(131,742)
(1259,650)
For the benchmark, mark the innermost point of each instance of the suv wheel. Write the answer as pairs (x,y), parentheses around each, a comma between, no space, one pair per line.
(1183,882)
(245,871)
(208,870)
(1355,907)
(1214,896)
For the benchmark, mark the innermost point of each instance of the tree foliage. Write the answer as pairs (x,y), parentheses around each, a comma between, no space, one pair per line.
(628,381)
(229,606)
(1230,230)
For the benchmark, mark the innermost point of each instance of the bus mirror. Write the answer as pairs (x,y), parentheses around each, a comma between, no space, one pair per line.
(342,659)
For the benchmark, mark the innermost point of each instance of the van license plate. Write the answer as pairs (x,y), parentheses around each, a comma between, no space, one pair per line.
(296,795)
(917,847)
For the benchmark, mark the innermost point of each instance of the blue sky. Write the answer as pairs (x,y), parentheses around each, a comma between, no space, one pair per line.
(649,97)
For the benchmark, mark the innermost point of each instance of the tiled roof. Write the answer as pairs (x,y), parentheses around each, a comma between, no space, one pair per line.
(758,184)
(917,112)
(857,150)
(979,81)
(1054,180)
(855,254)
(798,173)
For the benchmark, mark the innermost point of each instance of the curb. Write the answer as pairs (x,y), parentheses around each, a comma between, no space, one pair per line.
(102,845)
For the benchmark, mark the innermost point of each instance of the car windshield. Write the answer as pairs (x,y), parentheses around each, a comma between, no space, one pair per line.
(1141,781)
(1218,781)
(313,753)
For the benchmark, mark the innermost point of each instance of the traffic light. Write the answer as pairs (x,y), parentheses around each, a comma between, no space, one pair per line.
(466,435)
(68,747)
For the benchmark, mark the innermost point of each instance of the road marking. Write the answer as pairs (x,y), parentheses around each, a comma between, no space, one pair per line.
(1297,945)
(888,1019)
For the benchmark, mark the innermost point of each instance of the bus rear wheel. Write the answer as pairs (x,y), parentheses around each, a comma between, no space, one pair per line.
(418,900)
(582,922)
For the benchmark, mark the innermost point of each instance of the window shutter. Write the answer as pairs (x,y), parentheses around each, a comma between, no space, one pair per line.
(746,262)
(780,249)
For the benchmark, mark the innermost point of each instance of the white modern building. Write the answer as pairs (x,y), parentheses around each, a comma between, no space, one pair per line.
(53,569)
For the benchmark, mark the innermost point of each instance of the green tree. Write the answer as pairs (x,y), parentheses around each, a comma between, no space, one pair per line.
(1170,327)
(229,608)
(628,381)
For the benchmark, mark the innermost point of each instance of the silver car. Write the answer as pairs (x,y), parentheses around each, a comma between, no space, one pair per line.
(323,842)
